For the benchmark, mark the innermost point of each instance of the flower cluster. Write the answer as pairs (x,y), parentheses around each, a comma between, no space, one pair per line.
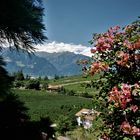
(132,46)
(97,66)
(122,58)
(117,53)
(128,129)
(136,45)
(105,41)
(129,28)
(121,97)
(134,108)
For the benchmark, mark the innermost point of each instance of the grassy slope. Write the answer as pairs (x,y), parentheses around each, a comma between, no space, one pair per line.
(41,103)
(69,79)
(76,87)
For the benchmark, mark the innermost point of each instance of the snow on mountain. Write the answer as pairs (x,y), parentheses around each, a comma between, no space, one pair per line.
(63,47)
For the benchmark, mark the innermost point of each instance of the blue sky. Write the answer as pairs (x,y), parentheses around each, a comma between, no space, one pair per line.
(74,21)
(71,23)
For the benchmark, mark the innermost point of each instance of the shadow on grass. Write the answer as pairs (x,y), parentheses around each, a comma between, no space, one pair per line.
(14,122)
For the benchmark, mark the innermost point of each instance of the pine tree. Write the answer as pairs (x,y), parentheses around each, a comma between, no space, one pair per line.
(21,23)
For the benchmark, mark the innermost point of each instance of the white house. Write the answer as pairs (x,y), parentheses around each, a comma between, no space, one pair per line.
(85,117)
(53,87)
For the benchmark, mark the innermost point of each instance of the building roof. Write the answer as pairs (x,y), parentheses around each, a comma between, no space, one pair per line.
(89,114)
(53,87)
(82,111)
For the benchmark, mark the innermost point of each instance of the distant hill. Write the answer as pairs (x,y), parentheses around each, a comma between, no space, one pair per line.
(42,63)
(29,64)
(65,62)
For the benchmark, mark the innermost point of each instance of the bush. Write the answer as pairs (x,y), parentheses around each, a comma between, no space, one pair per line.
(64,91)
(64,124)
(117,59)
(18,84)
(44,85)
(33,84)
(86,95)
(19,76)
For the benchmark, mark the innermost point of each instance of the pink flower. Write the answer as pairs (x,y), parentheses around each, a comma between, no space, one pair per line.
(128,129)
(125,127)
(135,131)
(137,56)
(128,27)
(98,66)
(109,40)
(125,87)
(115,88)
(127,44)
(136,85)
(120,97)
(93,50)
(113,29)
(136,45)
(104,42)
(123,58)
(132,46)
(94,67)
(134,108)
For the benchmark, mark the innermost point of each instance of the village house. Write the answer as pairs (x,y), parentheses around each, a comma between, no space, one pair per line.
(53,88)
(85,117)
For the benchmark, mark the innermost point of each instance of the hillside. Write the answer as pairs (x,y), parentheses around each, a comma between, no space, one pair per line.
(29,64)
(65,62)
(42,104)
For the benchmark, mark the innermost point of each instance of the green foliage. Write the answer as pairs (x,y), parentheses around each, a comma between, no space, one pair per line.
(19,76)
(21,23)
(64,91)
(5,80)
(46,78)
(20,27)
(42,104)
(69,79)
(13,107)
(86,95)
(83,134)
(18,84)
(32,84)
(44,85)
(56,77)
(64,124)
(75,85)
(45,126)
(116,53)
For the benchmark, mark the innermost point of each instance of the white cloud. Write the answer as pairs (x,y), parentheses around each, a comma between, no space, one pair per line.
(63,47)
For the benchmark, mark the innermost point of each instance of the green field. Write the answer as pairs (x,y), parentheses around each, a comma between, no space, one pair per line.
(76,84)
(42,104)
(69,79)
(72,79)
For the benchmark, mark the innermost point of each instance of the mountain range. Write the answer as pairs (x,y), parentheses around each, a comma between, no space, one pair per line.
(43,63)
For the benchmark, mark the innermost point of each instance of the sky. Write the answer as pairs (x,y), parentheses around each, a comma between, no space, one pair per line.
(72,22)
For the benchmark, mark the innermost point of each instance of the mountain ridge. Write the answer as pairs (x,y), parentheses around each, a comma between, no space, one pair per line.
(43,63)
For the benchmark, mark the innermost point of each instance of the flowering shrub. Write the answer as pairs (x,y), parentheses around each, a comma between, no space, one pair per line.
(116,56)
(120,98)
(128,129)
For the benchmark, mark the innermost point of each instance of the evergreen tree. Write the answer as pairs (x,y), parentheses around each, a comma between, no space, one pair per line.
(5,80)
(20,27)
(21,23)
(19,76)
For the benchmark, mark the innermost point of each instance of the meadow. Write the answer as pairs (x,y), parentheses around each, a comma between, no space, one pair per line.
(43,103)
(80,84)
